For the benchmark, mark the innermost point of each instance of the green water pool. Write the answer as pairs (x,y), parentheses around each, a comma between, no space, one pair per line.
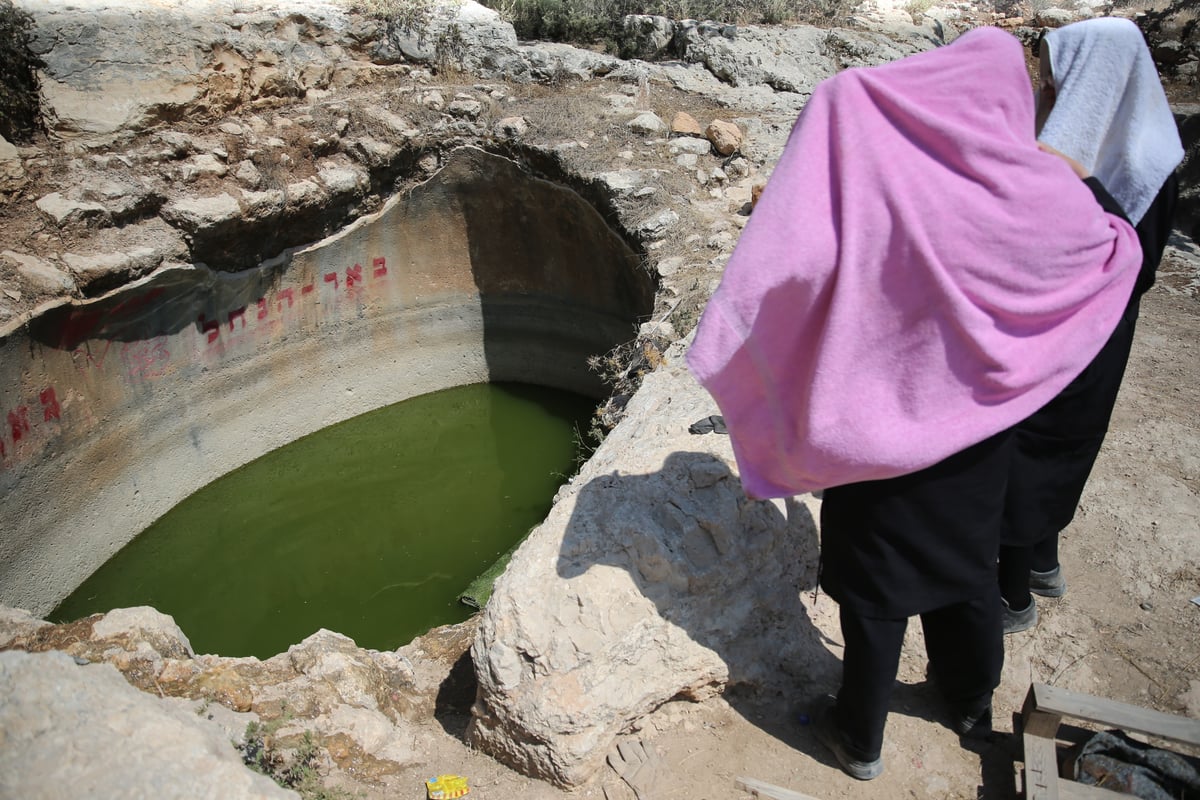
(371,527)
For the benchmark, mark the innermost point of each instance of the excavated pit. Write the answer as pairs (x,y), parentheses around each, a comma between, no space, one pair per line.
(118,408)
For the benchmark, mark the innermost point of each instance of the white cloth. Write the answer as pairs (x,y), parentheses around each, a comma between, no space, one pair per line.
(1111,114)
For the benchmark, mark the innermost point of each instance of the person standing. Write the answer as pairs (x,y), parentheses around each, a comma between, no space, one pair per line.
(1101,103)
(917,277)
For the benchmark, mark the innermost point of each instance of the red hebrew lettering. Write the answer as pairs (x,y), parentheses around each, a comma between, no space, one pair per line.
(18,422)
(90,359)
(354,275)
(146,359)
(285,294)
(262,308)
(380,265)
(306,289)
(213,329)
(331,277)
(238,313)
(50,407)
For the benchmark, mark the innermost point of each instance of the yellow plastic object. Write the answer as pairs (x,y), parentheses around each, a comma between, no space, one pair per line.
(445,787)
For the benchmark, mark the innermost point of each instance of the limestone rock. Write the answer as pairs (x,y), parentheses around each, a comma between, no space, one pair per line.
(72,731)
(688,144)
(465,34)
(656,226)
(38,274)
(65,212)
(511,128)
(17,624)
(1054,17)
(549,61)
(94,271)
(108,70)
(12,171)
(726,137)
(466,108)
(653,577)
(193,214)
(648,124)
(645,36)
(199,166)
(684,124)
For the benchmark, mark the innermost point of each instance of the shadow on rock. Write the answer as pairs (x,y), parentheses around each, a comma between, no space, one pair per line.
(667,585)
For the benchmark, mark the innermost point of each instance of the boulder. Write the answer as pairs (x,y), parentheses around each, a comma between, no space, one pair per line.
(654,577)
(109,70)
(645,36)
(73,730)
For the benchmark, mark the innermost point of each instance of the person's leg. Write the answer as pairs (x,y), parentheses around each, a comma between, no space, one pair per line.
(869,664)
(1014,566)
(966,654)
(1044,557)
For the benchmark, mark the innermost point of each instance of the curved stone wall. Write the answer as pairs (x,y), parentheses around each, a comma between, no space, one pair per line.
(115,410)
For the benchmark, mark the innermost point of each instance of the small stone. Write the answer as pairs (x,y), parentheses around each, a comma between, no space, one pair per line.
(511,128)
(684,124)
(725,136)
(466,109)
(1147,606)
(647,123)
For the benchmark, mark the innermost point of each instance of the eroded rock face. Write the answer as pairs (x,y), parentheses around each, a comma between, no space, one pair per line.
(364,707)
(72,730)
(661,580)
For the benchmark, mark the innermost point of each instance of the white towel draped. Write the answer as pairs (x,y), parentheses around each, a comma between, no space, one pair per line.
(1111,114)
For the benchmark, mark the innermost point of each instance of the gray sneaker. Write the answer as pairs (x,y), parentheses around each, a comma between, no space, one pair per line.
(1022,620)
(1048,584)
(829,734)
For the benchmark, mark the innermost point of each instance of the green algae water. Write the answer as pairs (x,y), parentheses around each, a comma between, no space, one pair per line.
(371,527)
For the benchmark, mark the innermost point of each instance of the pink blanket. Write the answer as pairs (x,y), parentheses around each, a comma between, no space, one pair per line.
(916,277)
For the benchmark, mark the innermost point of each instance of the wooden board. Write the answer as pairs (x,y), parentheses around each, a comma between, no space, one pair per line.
(771,792)
(1052,700)
(1046,706)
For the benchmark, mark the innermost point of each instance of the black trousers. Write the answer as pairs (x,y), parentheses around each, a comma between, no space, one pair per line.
(966,653)
(922,544)
(1054,452)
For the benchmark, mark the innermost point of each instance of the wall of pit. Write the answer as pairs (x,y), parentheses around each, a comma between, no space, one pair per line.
(114,410)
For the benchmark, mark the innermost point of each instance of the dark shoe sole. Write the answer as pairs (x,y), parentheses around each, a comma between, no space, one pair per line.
(1023,620)
(827,733)
(1048,584)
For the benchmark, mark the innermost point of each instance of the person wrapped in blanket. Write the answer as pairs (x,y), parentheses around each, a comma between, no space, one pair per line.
(918,277)
(1101,103)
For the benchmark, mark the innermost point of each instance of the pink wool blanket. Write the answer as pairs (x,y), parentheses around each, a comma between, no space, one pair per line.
(916,276)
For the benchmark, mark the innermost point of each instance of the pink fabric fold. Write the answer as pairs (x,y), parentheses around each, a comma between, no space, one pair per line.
(916,276)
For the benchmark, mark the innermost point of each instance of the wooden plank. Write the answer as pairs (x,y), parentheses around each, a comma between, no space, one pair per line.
(1041,767)
(1070,790)
(1051,699)
(761,789)
(1036,721)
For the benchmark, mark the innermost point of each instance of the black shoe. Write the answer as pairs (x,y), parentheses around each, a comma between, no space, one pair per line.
(829,734)
(974,723)
(1048,584)
(1022,620)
